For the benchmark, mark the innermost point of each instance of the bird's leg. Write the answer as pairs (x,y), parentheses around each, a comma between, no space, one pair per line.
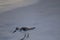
(27,35)
(23,37)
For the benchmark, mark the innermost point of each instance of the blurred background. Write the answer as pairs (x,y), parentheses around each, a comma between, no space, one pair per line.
(42,14)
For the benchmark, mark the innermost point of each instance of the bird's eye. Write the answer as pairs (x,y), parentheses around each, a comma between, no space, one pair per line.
(17,28)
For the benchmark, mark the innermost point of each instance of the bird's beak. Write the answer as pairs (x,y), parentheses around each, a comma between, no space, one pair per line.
(14,31)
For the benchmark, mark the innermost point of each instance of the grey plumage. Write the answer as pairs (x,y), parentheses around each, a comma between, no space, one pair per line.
(23,29)
(26,35)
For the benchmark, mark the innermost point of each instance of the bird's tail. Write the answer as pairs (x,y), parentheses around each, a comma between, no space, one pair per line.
(32,28)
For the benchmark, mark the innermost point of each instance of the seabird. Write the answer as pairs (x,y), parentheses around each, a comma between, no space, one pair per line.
(23,29)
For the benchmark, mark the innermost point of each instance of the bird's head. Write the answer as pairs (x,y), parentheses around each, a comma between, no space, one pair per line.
(16,29)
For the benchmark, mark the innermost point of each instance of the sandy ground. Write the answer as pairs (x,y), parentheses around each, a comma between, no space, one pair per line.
(44,15)
(6,5)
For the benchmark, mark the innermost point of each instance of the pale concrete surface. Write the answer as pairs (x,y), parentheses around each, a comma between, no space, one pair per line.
(45,16)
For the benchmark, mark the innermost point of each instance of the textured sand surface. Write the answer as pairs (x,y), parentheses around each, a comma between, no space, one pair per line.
(44,15)
(6,5)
